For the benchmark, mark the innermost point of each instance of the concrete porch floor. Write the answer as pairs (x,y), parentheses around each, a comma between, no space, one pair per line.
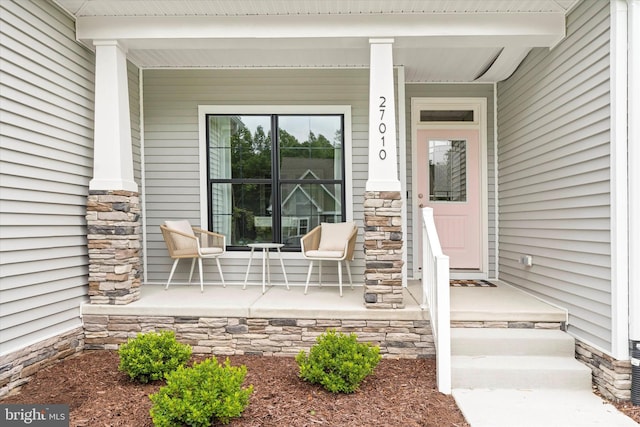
(502,303)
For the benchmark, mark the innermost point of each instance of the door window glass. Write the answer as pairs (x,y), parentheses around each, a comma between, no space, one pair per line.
(448,170)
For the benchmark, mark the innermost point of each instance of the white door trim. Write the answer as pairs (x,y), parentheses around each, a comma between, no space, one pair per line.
(479,106)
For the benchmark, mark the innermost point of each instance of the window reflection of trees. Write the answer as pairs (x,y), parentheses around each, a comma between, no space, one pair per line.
(309,175)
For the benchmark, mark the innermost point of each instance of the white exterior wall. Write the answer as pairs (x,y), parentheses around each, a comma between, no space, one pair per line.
(171,162)
(46,131)
(554,183)
(455,91)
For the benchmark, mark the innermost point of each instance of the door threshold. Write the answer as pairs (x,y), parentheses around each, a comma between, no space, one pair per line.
(467,274)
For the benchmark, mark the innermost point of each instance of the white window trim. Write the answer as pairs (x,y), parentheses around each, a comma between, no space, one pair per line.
(204,110)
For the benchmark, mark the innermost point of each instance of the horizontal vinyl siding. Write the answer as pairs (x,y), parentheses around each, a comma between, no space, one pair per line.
(553,152)
(46,107)
(171,162)
(455,91)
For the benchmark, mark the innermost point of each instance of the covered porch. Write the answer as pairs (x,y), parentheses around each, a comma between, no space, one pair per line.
(504,303)
(232,320)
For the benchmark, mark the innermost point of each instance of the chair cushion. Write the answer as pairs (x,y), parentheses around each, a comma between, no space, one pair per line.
(182,226)
(211,251)
(324,254)
(334,237)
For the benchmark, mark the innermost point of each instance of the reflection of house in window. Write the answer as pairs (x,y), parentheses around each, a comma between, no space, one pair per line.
(313,198)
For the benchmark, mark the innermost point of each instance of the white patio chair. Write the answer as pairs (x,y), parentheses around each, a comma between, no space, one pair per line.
(330,242)
(185,241)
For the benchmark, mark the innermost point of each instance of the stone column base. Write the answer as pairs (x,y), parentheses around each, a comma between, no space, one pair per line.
(113,238)
(383,246)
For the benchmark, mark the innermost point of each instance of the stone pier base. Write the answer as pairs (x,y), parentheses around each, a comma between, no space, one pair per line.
(113,238)
(383,246)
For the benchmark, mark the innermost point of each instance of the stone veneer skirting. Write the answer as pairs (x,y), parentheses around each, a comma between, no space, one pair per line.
(508,324)
(612,377)
(16,368)
(261,336)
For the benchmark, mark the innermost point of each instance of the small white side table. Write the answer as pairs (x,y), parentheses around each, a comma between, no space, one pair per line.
(265,261)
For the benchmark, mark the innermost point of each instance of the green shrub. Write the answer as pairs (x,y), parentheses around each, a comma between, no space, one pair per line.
(201,395)
(338,362)
(148,357)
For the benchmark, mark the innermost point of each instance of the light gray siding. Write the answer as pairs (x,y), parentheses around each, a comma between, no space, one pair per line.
(553,153)
(46,132)
(171,100)
(455,91)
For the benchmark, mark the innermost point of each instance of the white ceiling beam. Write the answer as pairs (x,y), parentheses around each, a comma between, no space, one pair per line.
(540,29)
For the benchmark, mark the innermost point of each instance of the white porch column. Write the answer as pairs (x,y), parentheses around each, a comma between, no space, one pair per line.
(383,242)
(113,205)
(383,159)
(112,155)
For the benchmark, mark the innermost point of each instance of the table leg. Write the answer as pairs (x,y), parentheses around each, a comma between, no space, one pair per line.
(268,268)
(246,276)
(284,273)
(263,265)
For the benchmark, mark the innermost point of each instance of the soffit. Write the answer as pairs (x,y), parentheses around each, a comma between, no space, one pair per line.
(435,40)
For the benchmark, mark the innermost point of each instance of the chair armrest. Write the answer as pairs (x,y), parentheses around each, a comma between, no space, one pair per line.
(210,239)
(311,240)
(351,244)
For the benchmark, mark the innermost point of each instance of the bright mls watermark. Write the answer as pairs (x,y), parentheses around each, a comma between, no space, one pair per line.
(34,415)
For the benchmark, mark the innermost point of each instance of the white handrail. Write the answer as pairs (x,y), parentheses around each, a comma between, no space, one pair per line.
(435,294)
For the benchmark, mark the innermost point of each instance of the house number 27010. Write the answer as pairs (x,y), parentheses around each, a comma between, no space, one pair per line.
(382,127)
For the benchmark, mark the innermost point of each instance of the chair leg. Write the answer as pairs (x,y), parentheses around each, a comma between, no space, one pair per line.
(320,272)
(173,269)
(308,276)
(201,274)
(224,285)
(340,276)
(346,263)
(193,263)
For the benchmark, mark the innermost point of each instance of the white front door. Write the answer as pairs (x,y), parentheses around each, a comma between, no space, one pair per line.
(448,172)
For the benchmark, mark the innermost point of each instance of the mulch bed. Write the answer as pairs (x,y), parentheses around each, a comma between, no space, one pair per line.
(399,393)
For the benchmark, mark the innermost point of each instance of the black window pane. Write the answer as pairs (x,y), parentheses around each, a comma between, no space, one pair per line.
(240,147)
(306,205)
(242,212)
(307,171)
(310,147)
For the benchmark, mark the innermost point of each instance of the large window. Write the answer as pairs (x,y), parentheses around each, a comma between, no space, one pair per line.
(273,177)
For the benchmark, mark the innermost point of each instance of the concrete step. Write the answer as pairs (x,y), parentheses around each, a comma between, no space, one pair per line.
(538,408)
(511,342)
(519,372)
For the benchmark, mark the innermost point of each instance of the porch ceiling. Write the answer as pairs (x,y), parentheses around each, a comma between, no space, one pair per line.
(436,41)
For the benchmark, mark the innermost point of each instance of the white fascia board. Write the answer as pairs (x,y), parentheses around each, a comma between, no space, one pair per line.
(541,29)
